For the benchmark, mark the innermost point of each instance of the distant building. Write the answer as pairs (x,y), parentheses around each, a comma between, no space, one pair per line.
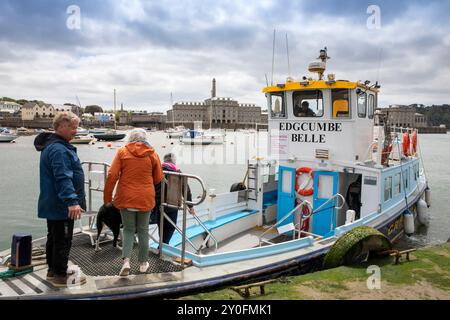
(30,110)
(404,116)
(10,107)
(145,118)
(219,112)
(104,117)
(58,108)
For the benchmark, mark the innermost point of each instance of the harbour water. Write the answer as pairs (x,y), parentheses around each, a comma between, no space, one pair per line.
(220,166)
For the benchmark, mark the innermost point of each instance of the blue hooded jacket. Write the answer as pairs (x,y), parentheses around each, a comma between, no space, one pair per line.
(61,177)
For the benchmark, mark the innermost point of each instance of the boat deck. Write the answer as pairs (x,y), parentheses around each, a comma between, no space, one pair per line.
(100,266)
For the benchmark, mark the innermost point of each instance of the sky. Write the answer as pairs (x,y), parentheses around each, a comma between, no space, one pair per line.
(147,50)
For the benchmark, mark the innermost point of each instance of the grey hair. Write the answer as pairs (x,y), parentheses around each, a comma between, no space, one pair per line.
(65,117)
(138,134)
(170,157)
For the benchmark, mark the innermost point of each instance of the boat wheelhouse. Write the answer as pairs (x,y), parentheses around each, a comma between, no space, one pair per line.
(332,171)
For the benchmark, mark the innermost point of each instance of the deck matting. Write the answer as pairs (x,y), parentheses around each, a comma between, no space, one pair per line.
(108,261)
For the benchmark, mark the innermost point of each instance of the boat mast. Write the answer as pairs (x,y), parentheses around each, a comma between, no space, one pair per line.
(115,125)
(173,113)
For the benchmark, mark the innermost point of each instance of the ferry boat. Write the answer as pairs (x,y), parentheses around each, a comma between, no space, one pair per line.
(323,198)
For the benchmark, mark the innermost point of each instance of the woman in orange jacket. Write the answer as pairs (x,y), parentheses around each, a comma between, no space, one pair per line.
(137,168)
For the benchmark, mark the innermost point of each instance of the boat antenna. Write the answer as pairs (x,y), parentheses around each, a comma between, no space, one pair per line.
(267,81)
(79,103)
(287,52)
(273,56)
(379,67)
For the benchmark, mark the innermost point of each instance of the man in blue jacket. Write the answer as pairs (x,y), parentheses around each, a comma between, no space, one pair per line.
(62,195)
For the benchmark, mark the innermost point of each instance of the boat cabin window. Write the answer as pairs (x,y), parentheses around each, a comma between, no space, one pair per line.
(387,188)
(370,106)
(362,104)
(277,105)
(340,99)
(308,103)
(397,188)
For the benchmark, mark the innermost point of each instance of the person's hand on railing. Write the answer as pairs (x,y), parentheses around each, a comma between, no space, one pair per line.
(192,211)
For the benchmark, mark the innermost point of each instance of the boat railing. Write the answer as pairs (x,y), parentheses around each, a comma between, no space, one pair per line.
(174,189)
(296,226)
(91,214)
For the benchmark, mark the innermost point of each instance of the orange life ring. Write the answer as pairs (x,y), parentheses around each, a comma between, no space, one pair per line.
(406,144)
(414,142)
(298,172)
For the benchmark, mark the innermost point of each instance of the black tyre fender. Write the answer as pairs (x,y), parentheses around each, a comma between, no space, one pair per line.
(238,186)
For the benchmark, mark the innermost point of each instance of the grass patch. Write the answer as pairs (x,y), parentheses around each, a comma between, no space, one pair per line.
(428,265)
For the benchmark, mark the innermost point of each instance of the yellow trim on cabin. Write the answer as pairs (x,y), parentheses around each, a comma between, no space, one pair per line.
(317,84)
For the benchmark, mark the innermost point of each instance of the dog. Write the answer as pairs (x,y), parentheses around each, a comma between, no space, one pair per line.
(110,216)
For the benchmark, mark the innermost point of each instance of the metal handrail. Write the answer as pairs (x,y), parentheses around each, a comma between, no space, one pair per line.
(301,216)
(185,203)
(319,209)
(282,219)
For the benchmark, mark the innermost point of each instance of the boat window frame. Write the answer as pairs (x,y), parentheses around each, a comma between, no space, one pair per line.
(406,178)
(283,109)
(294,93)
(370,106)
(388,188)
(358,94)
(349,100)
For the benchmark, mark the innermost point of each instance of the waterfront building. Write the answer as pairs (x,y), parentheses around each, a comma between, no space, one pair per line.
(104,117)
(404,116)
(9,107)
(218,112)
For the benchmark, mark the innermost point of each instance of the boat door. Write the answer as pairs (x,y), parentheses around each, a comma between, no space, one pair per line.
(325,186)
(286,194)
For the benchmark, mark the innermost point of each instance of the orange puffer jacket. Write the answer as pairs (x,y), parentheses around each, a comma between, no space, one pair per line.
(138,169)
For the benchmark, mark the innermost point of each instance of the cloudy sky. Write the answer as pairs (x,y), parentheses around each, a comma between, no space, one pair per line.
(148,49)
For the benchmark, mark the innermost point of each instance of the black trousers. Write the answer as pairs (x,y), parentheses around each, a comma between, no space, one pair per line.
(59,242)
(168,228)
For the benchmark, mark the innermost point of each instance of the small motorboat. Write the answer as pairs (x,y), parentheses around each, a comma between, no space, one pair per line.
(7,137)
(82,131)
(109,135)
(83,139)
(200,137)
(22,131)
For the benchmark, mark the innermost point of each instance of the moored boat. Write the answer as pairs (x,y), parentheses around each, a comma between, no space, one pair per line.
(109,135)
(322,184)
(83,139)
(202,137)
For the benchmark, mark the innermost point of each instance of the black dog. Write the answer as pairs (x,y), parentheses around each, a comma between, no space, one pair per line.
(110,216)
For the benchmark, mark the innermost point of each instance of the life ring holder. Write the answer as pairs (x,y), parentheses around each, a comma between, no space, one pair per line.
(406,143)
(298,172)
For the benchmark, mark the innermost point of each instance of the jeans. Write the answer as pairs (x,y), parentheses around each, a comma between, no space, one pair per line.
(59,242)
(135,221)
